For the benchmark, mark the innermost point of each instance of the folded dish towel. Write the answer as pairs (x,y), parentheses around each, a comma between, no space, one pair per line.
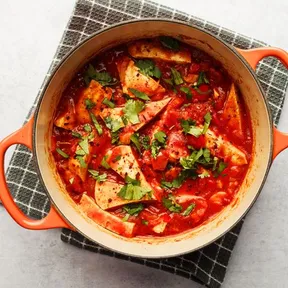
(207,265)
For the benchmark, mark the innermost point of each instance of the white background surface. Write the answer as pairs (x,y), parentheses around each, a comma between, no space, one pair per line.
(30,31)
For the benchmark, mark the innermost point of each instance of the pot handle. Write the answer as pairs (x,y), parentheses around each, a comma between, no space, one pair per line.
(253,56)
(53,219)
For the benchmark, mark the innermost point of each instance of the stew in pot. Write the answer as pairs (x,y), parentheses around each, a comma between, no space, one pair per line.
(152,138)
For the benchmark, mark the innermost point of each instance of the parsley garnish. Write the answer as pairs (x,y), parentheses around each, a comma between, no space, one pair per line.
(202,79)
(204,174)
(187,91)
(177,182)
(132,109)
(98,177)
(220,169)
(145,222)
(160,136)
(108,103)
(189,209)
(190,128)
(84,145)
(81,161)
(132,190)
(87,128)
(89,104)
(139,94)
(114,137)
(207,119)
(96,124)
(133,209)
(176,76)
(104,78)
(76,134)
(170,43)
(145,142)
(125,218)
(62,153)
(113,124)
(135,139)
(104,162)
(171,204)
(148,68)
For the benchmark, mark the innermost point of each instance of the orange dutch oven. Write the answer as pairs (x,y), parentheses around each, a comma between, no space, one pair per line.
(35,134)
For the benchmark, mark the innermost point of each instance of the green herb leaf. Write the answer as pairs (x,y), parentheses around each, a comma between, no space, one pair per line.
(177,79)
(80,152)
(148,68)
(202,79)
(177,182)
(135,139)
(170,43)
(96,124)
(132,109)
(113,124)
(145,222)
(206,154)
(155,148)
(204,174)
(169,81)
(189,209)
(171,205)
(160,136)
(108,103)
(117,158)
(133,192)
(132,181)
(114,137)
(104,162)
(62,153)
(126,218)
(104,78)
(190,128)
(81,161)
(207,119)
(189,162)
(98,177)
(87,128)
(187,91)
(220,169)
(145,142)
(133,209)
(89,104)
(76,135)
(202,92)
(139,94)
(84,145)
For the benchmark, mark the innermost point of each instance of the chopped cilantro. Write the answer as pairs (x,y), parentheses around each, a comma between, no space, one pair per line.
(98,177)
(206,154)
(177,79)
(80,152)
(145,222)
(108,103)
(177,182)
(87,128)
(132,109)
(139,94)
(220,169)
(133,209)
(76,135)
(135,139)
(190,128)
(155,148)
(189,209)
(81,161)
(207,119)
(125,218)
(84,145)
(187,91)
(104,162)
(132,181)
(202,79)
(169,42)
(114,137)
(145,142)
(62,153)
(89,104)
(160,136)
(189,162)
(117,158)
(169,81)
(171,204)
(104,78)
(204,174)
(148,68)
(113,124)
(96,124)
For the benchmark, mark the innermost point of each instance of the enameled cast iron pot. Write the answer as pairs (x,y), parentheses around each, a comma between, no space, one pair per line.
(268,141)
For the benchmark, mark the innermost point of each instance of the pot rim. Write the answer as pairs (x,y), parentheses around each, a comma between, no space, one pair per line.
(231,48)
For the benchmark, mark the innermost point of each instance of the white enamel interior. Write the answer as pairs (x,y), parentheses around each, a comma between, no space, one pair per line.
(262,131)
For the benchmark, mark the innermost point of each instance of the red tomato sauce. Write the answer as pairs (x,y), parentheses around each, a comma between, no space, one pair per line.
(177,205)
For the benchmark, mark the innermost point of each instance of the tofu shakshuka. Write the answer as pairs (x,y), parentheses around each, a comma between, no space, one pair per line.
(152,138)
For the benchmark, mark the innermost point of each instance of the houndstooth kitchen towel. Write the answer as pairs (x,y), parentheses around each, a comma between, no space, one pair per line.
(209,264)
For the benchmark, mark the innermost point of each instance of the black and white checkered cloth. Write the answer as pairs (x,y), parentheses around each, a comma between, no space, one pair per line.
(209,264)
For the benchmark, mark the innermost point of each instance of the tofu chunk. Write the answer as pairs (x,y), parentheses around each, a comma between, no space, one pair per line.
(159,228)
(222,148)
(105,219)
(155,50)
(232,112)
(96,93)
(67,119)
(131,77)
